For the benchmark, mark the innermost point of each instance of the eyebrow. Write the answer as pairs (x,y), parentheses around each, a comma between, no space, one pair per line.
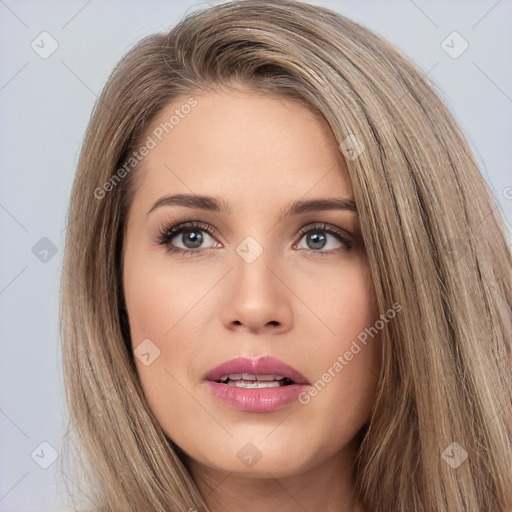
(217,204)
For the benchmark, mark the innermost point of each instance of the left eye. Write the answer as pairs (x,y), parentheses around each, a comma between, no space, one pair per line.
(319,238)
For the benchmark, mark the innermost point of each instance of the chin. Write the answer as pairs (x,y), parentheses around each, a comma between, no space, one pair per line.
(259,460)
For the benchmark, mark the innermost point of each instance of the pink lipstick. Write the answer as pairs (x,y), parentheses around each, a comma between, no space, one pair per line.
(256,385)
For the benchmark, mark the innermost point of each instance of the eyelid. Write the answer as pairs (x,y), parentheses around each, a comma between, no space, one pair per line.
(170,229)
(344,236)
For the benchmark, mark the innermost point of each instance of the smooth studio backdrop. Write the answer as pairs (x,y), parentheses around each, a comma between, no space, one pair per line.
(55,58)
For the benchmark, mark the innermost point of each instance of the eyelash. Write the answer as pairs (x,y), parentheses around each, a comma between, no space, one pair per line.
(168,232)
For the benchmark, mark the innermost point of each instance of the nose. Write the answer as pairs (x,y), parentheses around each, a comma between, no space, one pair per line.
(256,297)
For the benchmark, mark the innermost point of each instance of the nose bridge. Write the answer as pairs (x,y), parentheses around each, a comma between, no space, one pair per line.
(251,268)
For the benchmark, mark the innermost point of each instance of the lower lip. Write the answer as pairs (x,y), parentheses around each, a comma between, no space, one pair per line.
(256,399)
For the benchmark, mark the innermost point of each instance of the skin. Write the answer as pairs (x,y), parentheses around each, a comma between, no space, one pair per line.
(258,154)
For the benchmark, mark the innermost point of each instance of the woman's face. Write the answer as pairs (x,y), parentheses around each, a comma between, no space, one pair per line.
(264,270)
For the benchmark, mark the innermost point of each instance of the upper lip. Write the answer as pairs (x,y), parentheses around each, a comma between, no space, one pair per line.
(265,365)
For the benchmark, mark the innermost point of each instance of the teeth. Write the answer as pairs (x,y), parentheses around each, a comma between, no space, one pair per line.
(251,378)
(255,384)
(246,380)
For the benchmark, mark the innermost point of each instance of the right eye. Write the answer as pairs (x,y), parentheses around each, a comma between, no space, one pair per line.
(192,233)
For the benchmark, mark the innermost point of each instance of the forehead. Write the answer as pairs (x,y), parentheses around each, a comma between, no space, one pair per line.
(244,145)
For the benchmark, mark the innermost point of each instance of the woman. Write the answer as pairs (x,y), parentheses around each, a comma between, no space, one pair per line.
(286,284)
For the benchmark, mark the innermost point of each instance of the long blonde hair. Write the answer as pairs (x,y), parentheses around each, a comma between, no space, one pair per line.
(434,237)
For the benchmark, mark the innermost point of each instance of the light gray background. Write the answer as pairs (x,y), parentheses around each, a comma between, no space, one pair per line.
(45,105)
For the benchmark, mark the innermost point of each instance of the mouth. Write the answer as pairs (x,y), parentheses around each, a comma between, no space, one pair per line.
(256,385)
(244,380)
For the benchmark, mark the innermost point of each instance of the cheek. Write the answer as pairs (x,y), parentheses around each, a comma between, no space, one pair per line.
(161,300)
(162,310)
(355,320)
(343,300)
(347,359)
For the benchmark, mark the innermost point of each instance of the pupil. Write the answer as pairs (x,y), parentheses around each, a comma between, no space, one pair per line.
(194,237)
(316,238)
